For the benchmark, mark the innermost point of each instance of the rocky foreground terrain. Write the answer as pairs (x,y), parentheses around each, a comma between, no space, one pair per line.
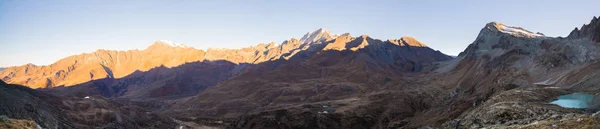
(49,111)
(505,79)
(7,123)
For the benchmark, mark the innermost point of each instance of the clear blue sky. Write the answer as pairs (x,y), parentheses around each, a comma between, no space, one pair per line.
(44,31)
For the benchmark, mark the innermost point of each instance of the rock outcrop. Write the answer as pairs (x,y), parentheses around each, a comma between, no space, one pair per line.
(588,31)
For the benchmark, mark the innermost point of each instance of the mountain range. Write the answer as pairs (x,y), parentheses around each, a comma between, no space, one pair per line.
(505,78)
(158,70)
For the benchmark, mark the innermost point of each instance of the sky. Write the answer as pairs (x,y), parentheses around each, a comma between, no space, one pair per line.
(44,31)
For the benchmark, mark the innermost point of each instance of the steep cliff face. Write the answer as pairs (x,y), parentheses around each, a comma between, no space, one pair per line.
(587,31)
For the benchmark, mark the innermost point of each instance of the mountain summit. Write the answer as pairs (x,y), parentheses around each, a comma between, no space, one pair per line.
(168,43)
(515,31)
(317,36)
(588,31)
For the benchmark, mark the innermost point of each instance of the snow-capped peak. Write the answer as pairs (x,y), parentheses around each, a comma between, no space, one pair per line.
(320,34)
(517,31)
(172,44)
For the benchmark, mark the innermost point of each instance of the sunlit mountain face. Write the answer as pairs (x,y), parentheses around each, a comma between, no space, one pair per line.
(183,65)
(169,69)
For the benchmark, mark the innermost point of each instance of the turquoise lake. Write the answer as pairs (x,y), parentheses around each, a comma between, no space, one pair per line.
(575,100)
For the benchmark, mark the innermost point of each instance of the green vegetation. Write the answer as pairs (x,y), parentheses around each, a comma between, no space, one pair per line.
(3,118)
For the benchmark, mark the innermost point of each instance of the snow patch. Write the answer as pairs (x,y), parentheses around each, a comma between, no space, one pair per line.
(551,81)
(172,44)
(317,35)
(273,46)
(519,31)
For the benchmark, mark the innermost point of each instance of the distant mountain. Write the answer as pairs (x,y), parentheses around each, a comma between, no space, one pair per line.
(343,67)
(2,68)
(116,69)
(317,36)
(100,64)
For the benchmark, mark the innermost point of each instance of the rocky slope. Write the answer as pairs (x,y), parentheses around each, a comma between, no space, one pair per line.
(7,123)
(508,75)
(50,111)
(342,68)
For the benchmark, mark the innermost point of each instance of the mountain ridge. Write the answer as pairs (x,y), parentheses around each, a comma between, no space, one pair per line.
(107,65)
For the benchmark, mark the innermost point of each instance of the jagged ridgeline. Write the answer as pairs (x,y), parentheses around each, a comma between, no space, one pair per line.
(170,70)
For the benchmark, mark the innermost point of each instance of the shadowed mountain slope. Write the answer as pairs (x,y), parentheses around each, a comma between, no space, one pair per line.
(167,70)
(50,111)
(358,66)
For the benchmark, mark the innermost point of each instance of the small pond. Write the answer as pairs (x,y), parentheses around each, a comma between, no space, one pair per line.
(575,100)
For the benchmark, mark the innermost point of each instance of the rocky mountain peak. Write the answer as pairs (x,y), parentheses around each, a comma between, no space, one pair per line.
(291,41)
(496,38)
(364,36)
(346,34)
(411,41)
(591,30)
(407,41)
(167,43)
(317,36)
(494,25)
(322,30)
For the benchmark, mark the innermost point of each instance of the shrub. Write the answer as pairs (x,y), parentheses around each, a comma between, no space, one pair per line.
(3,118)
